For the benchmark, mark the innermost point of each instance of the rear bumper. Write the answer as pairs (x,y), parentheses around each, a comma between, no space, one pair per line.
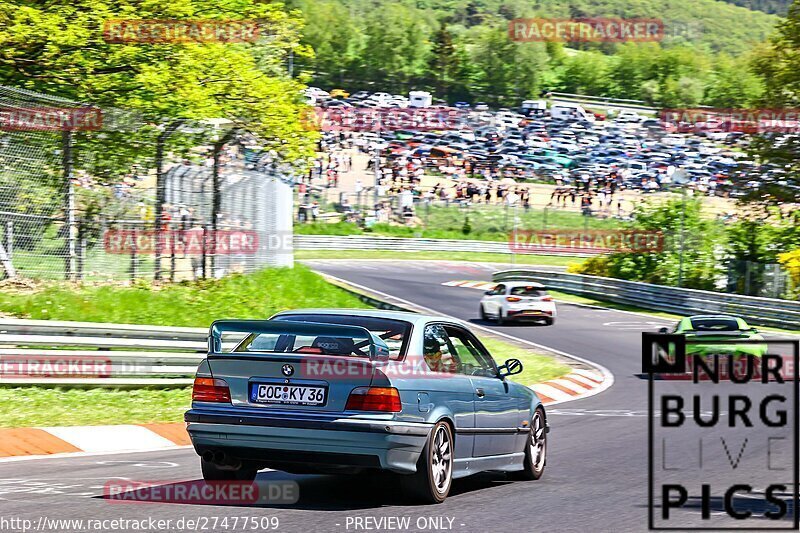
(529,314)
(385,444)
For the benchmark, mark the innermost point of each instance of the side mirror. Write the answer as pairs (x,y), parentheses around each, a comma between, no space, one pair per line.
(509,368)
(754,330)
(663,330)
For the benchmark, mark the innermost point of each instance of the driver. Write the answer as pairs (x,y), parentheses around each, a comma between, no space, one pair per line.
(435,359)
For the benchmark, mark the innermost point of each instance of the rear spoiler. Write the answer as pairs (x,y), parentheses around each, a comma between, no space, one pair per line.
(721,333)
(378,350)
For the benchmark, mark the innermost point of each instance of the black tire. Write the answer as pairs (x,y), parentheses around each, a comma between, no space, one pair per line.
(212,473)
(500,319)
(535,457)
(549,321)
(483,313)
(430,483)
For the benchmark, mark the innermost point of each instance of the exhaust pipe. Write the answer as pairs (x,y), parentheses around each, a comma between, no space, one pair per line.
(222,460)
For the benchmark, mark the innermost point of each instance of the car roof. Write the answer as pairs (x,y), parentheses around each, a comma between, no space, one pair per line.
(407,316)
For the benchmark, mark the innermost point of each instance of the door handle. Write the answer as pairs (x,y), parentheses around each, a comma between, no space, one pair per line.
(480,393)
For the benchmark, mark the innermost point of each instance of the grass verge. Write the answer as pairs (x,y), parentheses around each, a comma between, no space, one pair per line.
(485,223)
(41,406)
(196,304)
(536,367)
(520,259)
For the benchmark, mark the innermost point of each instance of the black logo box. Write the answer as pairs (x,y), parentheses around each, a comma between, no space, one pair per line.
(675,346)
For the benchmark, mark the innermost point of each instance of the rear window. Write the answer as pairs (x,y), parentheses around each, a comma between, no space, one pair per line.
(527,291)
(395,333)
(307,344)
(714,324)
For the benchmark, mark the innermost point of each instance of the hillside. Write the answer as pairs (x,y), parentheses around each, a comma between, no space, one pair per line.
(720,25)
(462,50)
(779,7)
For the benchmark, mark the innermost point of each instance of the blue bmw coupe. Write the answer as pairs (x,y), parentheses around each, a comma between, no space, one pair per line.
(346,390)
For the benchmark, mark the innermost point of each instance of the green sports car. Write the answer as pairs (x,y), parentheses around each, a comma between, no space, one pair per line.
(700,329)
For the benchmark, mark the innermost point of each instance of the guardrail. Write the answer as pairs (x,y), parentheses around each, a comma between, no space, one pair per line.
(602,103)
(755,310)
(56,353)
(401,244)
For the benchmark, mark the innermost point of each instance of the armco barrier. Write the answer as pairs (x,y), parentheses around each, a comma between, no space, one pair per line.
(96,354)
(755,310)
(400,244)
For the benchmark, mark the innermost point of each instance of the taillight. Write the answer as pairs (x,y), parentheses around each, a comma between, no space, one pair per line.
(211,390)
(547,298)
(512,299)
(374,399)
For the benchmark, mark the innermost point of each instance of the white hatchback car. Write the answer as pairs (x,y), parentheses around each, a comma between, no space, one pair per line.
(518,300)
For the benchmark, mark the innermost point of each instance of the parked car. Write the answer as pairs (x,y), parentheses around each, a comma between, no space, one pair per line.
(344,391)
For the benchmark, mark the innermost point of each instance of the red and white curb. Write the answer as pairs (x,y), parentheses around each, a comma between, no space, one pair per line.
(25,443)
(576,384)
(469,284)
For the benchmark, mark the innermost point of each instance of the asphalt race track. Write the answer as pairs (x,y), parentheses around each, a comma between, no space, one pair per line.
(596,478)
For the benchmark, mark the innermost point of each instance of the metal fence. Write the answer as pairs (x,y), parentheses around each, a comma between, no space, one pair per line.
(756,310)
(91,193)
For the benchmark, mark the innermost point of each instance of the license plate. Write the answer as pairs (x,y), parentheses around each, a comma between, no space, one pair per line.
(288,394)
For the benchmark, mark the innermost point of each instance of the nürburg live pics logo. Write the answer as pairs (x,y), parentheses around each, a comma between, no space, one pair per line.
(723,432)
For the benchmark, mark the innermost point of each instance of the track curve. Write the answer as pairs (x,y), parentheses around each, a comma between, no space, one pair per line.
(596,478)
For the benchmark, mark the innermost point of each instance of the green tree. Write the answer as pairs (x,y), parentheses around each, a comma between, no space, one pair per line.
(444,61)
(698,235)
(59,48)
(732,83)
